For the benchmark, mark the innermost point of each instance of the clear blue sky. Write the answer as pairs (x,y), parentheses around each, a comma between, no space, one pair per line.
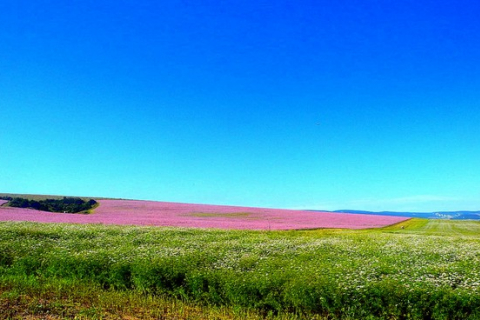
(366,104)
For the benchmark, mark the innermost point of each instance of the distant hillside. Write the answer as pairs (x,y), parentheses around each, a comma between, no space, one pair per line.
(39,197)
(455,215)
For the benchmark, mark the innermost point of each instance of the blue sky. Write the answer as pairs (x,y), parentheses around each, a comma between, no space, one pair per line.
(369,105)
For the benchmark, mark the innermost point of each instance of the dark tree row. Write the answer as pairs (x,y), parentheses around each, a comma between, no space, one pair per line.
(69,205)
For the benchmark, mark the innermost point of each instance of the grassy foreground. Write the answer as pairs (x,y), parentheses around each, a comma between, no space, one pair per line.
(419,269)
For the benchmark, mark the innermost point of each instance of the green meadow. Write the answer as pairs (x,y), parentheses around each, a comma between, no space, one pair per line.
(418,269)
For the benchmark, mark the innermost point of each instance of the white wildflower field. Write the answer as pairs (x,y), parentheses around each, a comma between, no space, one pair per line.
(419,269)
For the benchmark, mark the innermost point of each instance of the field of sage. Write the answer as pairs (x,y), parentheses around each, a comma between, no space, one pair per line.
(418,269)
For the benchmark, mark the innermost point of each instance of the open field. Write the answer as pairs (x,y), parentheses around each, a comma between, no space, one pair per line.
(131,212)
(418,269)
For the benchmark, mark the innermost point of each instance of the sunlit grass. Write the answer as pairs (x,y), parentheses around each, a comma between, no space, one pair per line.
(60,299)
(416,269)
(436,227)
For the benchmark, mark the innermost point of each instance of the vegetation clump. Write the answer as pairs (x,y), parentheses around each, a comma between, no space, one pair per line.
(66,205)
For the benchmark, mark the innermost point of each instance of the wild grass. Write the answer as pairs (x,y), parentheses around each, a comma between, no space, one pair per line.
(419,269)
(34,298)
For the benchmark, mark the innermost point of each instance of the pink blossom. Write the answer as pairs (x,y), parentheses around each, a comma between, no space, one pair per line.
(151,213)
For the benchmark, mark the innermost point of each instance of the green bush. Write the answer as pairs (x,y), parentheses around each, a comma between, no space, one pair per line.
(68,205)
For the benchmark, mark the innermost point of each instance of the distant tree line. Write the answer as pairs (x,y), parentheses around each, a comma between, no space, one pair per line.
(69,205)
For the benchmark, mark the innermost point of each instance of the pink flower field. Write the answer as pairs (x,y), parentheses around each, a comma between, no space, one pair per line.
(152,213)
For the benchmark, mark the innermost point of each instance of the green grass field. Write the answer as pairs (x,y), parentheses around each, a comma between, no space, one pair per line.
(419,269)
